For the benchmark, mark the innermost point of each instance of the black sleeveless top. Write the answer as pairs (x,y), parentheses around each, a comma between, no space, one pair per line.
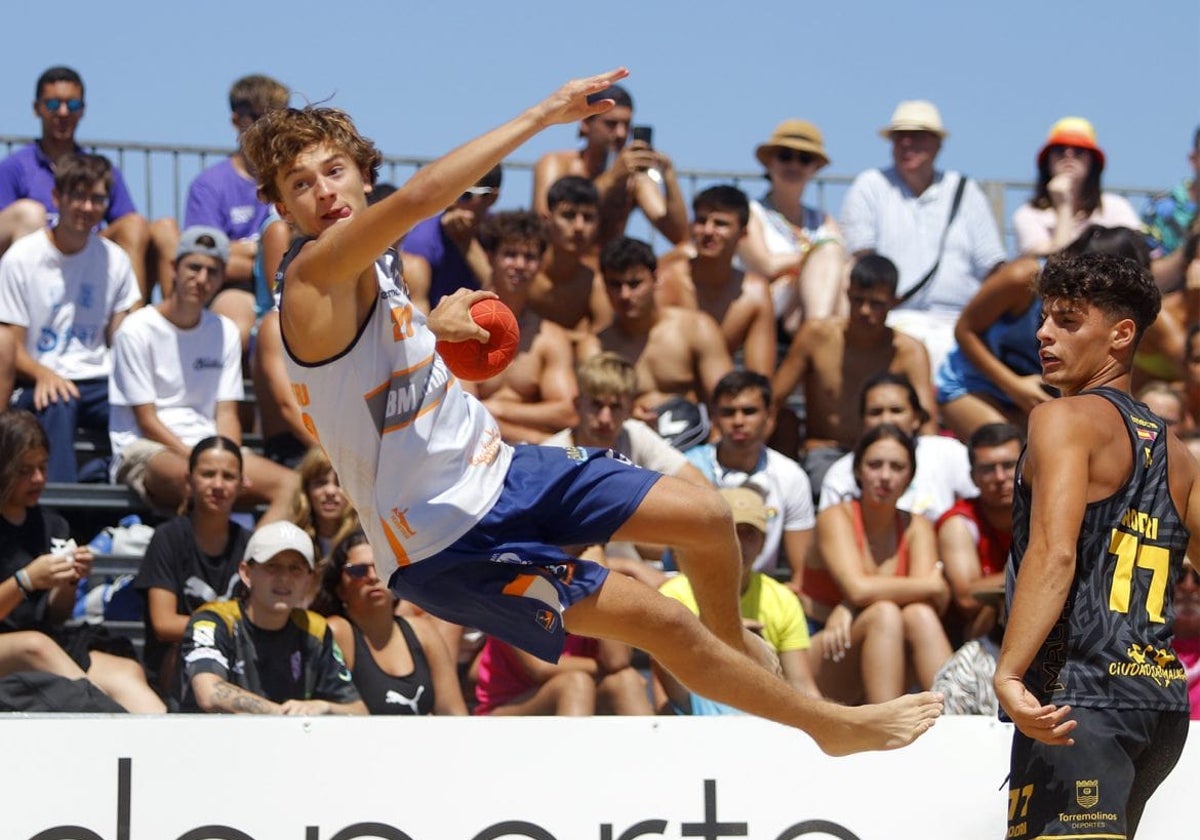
(384,694)
(1111,647)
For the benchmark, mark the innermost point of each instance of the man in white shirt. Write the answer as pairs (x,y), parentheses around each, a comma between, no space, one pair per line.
(741,406)
(63,293)
(902,213)
(177,379)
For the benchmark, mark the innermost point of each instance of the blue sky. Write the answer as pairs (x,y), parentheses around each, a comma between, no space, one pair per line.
(713,78)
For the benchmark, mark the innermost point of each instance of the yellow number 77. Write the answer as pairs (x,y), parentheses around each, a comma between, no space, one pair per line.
(1130,552)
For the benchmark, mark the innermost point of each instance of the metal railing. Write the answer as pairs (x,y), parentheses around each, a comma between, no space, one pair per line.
(158,175)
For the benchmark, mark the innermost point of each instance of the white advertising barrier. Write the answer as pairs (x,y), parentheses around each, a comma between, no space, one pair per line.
(227,778)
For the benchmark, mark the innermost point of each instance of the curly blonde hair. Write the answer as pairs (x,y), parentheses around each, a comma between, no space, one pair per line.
(278,137)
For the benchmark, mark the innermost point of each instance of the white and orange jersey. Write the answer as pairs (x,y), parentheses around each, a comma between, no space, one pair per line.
(419,457)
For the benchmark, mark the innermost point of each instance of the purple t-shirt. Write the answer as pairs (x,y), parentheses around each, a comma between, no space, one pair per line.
(219,197)
(448,268)
(26,173)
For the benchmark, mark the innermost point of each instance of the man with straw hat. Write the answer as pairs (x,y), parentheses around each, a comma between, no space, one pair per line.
(935,225)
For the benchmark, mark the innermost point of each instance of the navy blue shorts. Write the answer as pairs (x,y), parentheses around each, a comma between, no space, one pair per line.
(1099,786)
(508,576)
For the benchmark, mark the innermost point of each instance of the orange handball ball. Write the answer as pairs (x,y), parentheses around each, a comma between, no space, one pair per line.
(476,361)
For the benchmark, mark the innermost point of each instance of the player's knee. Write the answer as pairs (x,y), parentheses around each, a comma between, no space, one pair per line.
(712,513)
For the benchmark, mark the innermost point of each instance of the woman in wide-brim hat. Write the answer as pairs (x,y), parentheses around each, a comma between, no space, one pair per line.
(1068,196)
(799,248)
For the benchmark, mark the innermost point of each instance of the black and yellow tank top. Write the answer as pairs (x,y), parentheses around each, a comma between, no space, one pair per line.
(1112,645)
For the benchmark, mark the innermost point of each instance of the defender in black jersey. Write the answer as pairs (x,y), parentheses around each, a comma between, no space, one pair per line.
(1105,505)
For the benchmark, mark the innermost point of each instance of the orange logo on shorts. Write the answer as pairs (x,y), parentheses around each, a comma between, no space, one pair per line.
(548,619)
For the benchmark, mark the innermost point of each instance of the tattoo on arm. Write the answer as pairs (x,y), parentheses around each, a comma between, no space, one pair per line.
(228,697)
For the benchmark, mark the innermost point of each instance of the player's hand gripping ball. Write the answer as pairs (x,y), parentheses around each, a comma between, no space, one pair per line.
(476,361)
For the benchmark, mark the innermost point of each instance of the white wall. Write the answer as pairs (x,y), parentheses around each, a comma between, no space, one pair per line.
(459,779)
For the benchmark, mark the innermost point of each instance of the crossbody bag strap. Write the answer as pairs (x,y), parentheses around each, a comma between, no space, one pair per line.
(924,281)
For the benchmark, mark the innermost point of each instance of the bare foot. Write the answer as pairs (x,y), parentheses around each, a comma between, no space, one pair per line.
(882,726)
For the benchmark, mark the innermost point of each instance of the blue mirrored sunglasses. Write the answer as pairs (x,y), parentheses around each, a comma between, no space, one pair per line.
(73,105)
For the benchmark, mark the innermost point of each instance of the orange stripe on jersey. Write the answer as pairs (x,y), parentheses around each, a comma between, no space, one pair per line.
(423,363)
(377,390)
(425,409)
(519,585)
(394,543)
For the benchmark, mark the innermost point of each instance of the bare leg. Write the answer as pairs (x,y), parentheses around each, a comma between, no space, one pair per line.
(271,483)
(132,233)
(125,682)
(623,692)
(166,480)
(879,632)
(22,217)
(872,668)
(697,524)
(926,640)
(238,306)
(29,650)
(566,694)
(8,367)
(160,256)
(627,611)
(822,283)
(967,413)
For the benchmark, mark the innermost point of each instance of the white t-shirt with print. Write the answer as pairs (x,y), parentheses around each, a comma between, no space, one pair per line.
(65,301)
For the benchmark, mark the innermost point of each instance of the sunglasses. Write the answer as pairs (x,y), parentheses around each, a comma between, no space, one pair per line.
(358,571)
(789,155)
(73,105)
(477,192)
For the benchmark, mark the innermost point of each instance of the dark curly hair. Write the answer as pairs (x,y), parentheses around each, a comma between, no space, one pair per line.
(1117,286)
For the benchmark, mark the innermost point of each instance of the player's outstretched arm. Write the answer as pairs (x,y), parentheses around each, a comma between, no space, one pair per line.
(346,250)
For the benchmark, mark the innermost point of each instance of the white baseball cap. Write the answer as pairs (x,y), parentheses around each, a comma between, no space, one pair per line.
(276,538)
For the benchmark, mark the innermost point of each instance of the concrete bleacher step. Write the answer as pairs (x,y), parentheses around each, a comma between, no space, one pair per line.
(110,497)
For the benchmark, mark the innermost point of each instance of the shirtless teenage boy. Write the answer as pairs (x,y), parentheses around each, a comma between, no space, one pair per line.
(832,357)
(533,397)
(677,352)
(622,171)
(568,290)
(701,275)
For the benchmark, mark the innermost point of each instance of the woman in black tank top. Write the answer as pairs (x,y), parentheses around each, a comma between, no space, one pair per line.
(400,666)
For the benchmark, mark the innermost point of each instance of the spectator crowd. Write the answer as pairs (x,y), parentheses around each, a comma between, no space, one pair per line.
(857,385)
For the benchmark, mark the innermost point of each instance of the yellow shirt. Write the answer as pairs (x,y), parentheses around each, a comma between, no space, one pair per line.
(766,601)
